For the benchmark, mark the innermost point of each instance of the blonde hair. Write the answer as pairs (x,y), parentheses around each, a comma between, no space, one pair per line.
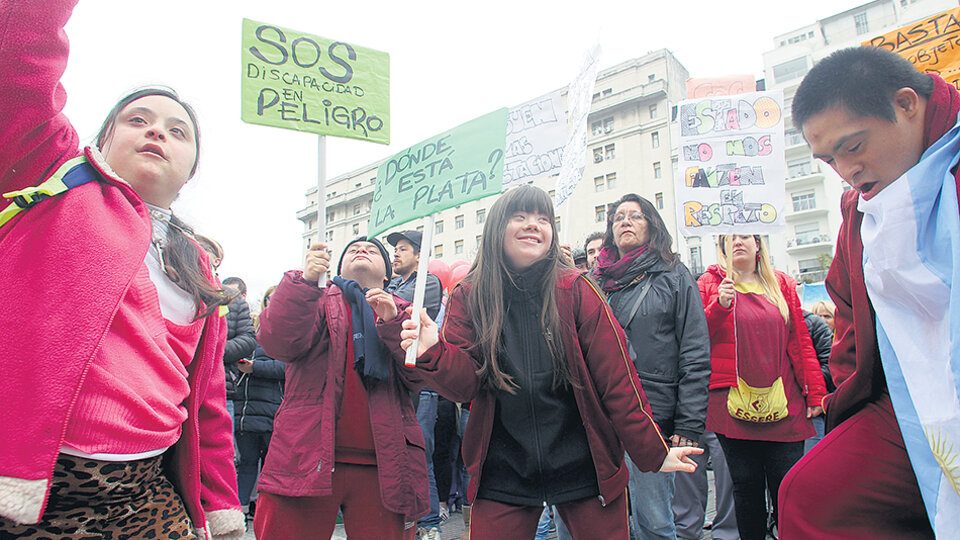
(765,271)
(823,305)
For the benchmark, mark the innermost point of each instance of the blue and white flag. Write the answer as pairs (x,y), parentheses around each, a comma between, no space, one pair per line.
(911,262)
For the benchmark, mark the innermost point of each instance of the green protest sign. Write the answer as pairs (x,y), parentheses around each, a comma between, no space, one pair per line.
(454,167)
(294,80)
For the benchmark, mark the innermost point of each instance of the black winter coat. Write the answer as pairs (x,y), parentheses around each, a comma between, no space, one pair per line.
(259,394)
(241,340)
(670,346)
(822,338)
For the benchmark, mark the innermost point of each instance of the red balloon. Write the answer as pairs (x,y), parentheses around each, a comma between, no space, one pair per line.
(456,264)
(439,269)
(458,273)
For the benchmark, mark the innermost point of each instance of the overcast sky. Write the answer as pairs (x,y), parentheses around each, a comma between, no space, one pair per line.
(450,62)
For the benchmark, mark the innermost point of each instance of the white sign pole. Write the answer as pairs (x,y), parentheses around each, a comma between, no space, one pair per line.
(420,287)
(321,197)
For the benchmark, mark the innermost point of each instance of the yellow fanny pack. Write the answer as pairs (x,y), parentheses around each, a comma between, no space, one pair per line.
(759,405)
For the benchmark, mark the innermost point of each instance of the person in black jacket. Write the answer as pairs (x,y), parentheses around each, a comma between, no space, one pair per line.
(241,337)
(657,302)
(259,393)
(822,337)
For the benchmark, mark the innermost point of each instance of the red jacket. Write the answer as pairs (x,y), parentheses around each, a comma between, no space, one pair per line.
(67,264)
(308,328)
(611,401)
(723,348)
(855,357)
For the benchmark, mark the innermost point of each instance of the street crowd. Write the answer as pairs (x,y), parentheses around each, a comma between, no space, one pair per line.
(582,388)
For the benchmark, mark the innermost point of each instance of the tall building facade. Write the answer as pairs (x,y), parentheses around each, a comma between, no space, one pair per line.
(629,150)
(812,212)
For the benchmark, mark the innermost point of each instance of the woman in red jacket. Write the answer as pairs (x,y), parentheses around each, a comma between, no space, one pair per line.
(115,423)
(555,395)
(766,382)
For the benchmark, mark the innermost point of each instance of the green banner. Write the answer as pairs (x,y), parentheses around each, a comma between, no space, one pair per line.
(454,167)
(299,81)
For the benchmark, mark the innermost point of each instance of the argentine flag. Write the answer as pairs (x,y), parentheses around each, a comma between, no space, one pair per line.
(911,264)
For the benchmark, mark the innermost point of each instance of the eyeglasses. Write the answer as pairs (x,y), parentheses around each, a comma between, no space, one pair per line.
(636,216)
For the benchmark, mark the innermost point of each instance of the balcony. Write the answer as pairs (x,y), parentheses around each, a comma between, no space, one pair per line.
(805,215)
(812,276)
(810,243)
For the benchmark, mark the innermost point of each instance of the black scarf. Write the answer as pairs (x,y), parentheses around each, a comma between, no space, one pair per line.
(368,358)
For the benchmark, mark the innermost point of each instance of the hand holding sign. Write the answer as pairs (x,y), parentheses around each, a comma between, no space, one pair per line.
(426,336)
(317,262)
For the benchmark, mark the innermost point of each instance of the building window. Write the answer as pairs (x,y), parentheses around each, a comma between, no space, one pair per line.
(860,20)
(330,216)
(608,125)
(608,151)
(659,198)
(791,69)
(439,226)
(657,173)
(793,137)
(358,184)
(653,111)
(651,77)
(597,155)
(479,236)
(356,229)
(601,213)
(611,180)
(655,139)
(808,233)
(556,223)
(458,247)
(696,261)
(458,221)
(481,215)
(596,96)
(799,168)
(329,236)
(598,183)
(607,92)
(597,128)
(356,209)
(420,229)
(552,193)
(438,250)
(804,201)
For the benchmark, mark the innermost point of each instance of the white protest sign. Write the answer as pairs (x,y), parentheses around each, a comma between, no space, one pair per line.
(731,164)
(579,98)
(536,134)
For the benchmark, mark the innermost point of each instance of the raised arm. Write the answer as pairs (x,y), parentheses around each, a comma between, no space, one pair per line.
(35,137)
(445,365)
(295,322)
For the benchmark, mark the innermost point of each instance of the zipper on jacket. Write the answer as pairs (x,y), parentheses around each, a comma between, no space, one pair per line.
(528,368)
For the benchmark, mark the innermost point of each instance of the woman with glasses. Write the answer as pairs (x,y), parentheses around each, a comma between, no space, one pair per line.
(656,300)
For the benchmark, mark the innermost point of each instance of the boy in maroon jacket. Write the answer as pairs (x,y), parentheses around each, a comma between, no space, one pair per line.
(870,115)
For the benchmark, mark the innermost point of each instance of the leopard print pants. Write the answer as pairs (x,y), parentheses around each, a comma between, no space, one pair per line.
(107,500)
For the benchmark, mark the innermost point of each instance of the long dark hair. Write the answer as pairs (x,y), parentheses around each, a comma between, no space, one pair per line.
(181,257)
(658,238)
(490,274)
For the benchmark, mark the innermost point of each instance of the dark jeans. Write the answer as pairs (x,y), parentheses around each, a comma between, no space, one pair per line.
(253,450)
(754,467)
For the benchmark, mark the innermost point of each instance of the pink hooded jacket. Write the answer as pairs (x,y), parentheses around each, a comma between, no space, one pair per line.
(67,264)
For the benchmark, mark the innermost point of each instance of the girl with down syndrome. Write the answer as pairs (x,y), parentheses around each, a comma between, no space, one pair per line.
(114,422)
(556,398)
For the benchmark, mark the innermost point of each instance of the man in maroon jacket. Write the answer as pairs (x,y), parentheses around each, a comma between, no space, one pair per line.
(870,115)
(346,436)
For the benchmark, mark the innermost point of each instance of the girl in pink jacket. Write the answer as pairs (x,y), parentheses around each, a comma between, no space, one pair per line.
(114,422)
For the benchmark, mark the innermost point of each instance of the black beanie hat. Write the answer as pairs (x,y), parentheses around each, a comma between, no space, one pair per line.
(388,268)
